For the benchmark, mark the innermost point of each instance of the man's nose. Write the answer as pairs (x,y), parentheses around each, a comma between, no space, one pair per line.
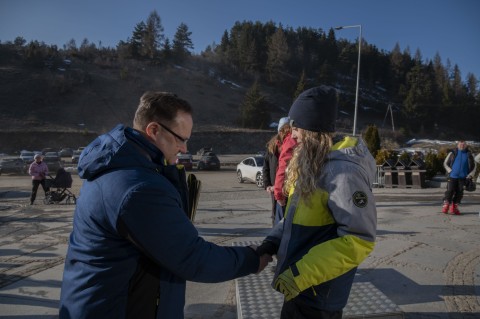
(183,148)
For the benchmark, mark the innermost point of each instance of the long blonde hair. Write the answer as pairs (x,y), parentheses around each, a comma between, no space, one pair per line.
(307,163)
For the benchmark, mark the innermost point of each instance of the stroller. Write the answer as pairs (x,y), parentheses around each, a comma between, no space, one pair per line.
(62,182)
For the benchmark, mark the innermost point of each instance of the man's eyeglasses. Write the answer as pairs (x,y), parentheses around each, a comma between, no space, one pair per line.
(183,140)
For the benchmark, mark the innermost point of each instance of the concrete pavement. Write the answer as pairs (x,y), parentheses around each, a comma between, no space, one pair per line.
(426,262)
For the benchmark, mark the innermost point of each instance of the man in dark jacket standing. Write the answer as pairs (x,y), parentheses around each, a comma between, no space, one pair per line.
(459,165)
(133,247)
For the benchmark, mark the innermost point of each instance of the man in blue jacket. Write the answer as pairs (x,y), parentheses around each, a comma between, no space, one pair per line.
(459,165)
(133,247)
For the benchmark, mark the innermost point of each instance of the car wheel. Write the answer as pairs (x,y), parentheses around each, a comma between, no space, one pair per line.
(71,200)
(239,177)
(259,180)
(199,166)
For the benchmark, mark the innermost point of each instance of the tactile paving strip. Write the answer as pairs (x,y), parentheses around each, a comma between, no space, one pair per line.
(256,299)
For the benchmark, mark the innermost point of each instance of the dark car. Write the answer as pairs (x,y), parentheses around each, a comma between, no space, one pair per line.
(204,150)
(53,161)
(12,165)
(208,161)
(66,152)
(186,160)
(27,156)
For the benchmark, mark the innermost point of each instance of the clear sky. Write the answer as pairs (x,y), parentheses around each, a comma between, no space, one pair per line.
(449,27)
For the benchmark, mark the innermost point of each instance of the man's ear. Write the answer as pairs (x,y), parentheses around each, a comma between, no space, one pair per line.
(152,129)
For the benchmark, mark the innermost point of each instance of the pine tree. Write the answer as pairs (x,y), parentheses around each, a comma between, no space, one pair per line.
(278,55)
(300,86)
(372,138)
(254,109)
(136,42)
(182,43)
(153,36)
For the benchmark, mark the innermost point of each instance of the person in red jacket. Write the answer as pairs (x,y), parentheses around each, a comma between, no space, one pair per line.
(38,170)
(286,153)
(270,164)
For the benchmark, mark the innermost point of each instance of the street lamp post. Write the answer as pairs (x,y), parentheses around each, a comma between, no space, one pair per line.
(358,71)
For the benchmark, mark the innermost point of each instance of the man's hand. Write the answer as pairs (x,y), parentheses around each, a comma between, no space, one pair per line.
(269,189)
(267,247)
(264,260)
(286,285)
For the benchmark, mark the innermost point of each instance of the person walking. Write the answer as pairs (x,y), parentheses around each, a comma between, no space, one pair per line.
(459,165)
(270,165)
(38,169)
(330,222)
(132,246)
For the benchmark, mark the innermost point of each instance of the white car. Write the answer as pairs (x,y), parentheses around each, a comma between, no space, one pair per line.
(250,169)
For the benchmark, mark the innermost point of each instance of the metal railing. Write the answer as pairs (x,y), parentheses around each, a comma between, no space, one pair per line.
(379,177)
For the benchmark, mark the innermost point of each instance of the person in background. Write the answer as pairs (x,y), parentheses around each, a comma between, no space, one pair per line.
(39,171)
(459,165)
(477,161)
(132,246)
(270,164)
(286,152)
(330,222)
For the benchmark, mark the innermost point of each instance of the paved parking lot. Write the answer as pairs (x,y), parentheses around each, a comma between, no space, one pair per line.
(426,262)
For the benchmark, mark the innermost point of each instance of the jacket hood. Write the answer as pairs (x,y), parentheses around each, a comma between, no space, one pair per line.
(354,150)
(122,147)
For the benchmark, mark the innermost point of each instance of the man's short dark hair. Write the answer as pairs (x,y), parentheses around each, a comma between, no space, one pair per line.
(157,106)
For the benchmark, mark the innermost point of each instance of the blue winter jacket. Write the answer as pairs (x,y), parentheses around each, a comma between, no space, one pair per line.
(132,247)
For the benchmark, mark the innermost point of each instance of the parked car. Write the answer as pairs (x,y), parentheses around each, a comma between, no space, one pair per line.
(204,150)
(12,165)
(209,161)
(185,159)
(250,169)
(76,156)
(48,150)
(27,156)
(66,152)
(53,161)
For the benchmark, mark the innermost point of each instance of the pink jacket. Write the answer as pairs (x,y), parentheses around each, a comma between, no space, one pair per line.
(38,171)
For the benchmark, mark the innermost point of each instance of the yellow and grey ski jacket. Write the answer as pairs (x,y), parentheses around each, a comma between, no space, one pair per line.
(324,241)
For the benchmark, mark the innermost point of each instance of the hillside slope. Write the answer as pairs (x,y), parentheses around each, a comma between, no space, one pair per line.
(86,100)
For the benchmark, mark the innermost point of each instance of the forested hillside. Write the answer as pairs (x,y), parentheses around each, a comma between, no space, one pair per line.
(248,80)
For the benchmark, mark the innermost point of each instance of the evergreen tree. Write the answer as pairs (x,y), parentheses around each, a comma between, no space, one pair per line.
(278,55)
(182,43)
(254,109)
(167,49)
(472,85)
(300,86)
(153,36)
(70,47)
(372,139)
(19,41)
(136,42)
(418,98)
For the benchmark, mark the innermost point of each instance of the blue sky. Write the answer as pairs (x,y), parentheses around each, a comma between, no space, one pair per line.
(449,27)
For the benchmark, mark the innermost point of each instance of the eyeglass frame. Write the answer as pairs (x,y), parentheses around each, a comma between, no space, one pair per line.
(183,140)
